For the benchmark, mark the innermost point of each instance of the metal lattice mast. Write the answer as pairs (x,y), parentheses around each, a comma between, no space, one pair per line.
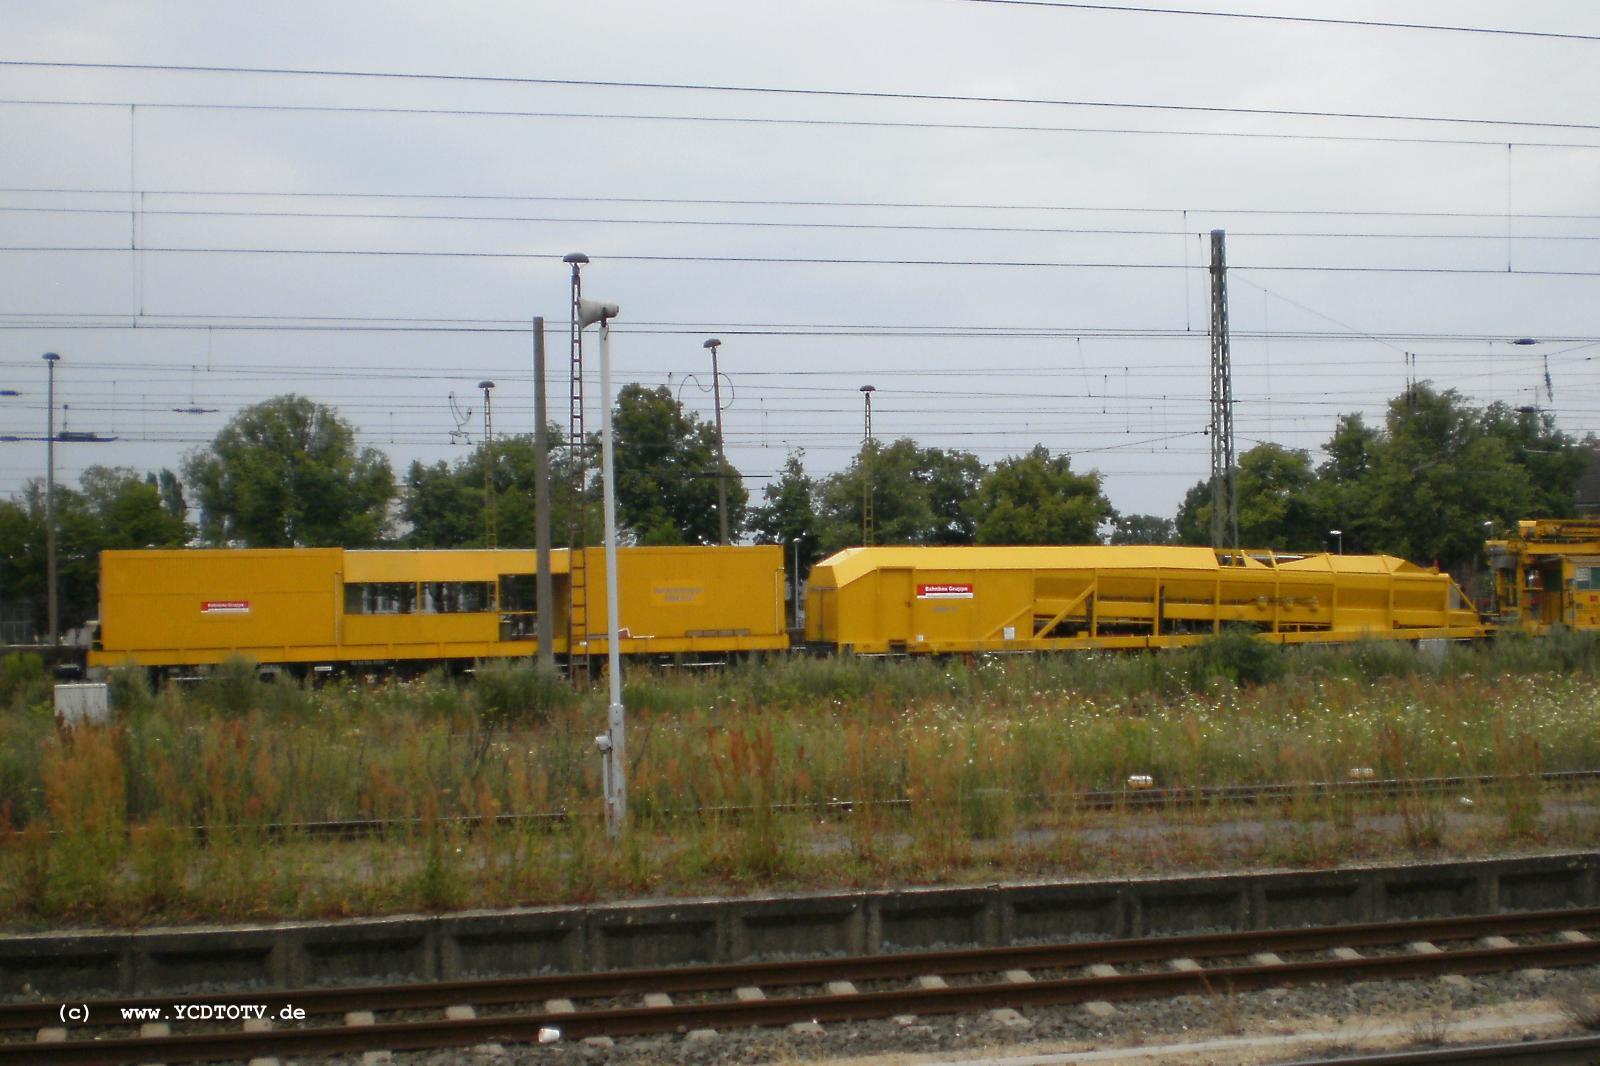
(1224,488)
(867,516)
(489,528)
(578,441)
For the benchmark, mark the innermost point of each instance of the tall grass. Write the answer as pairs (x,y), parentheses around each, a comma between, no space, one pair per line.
(787,772)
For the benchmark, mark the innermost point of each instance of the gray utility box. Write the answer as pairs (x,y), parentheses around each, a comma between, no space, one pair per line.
(87,702)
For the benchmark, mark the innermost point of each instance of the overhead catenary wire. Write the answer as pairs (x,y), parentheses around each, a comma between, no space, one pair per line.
(782,91)
(1308,20)
(784,260)
(795,403)
(720,201)
(892,227)
(837,123)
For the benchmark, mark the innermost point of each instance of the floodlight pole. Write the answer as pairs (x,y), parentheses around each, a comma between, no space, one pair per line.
(612,741)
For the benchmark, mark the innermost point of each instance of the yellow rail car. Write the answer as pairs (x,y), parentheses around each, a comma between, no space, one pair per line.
(1547,575)
(960,599)
(330,606)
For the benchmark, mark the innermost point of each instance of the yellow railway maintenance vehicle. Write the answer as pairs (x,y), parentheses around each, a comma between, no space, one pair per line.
(327,608)
(1016,599)
(1548,574)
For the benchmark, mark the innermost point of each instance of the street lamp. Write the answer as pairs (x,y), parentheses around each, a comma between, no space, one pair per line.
(611,742)
(722,464)
(1338,533)
(53,610)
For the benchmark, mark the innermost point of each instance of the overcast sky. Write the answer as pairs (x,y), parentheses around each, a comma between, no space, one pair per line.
(994,213)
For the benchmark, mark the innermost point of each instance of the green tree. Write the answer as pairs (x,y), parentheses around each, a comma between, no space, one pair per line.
(1344,489)
(1554,461)
(1437,476)
(1279,506)
(666,464)
(443,503)
(115,508)
(1037,499)
(787,514)
(952,479)
(1144,529)
(1422,486)
(1193,523)
(287,473)
(134,511)
(919,496)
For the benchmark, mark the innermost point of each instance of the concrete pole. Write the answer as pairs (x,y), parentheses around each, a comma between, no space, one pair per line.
(867,522)
(543,593)
(54,609)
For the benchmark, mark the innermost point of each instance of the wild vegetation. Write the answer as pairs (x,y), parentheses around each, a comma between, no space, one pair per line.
(203,802)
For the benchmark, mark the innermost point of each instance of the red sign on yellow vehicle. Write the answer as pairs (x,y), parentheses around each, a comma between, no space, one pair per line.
(951,591)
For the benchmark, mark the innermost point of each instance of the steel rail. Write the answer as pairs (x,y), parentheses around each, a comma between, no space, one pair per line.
(1556,1051)
(813,971)
(1096,799)
(632,1021)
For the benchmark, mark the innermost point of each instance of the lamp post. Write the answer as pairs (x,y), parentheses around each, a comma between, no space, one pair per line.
(611,743)
(722,464)
(866,467)
(53,611)
(1339,535)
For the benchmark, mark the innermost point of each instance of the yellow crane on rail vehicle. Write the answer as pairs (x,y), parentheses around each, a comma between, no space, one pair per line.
(1547,575)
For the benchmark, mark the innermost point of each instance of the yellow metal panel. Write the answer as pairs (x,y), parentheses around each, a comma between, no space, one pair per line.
(219,599)
(684,592)
(971,599)
(362,567)
(421,628)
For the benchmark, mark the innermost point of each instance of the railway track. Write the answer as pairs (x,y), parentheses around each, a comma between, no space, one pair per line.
(1565,1051)
(806,992)
(1132,797)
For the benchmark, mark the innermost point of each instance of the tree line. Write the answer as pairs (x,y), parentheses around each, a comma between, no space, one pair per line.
(288,473)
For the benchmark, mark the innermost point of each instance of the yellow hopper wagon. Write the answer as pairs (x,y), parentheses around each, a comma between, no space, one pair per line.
(1017,599)
(325,608)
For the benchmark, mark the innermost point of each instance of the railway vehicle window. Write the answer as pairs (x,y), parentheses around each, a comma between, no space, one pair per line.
(516,592)
(517,606)
(457,597)
(380,597)
(1587,577)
